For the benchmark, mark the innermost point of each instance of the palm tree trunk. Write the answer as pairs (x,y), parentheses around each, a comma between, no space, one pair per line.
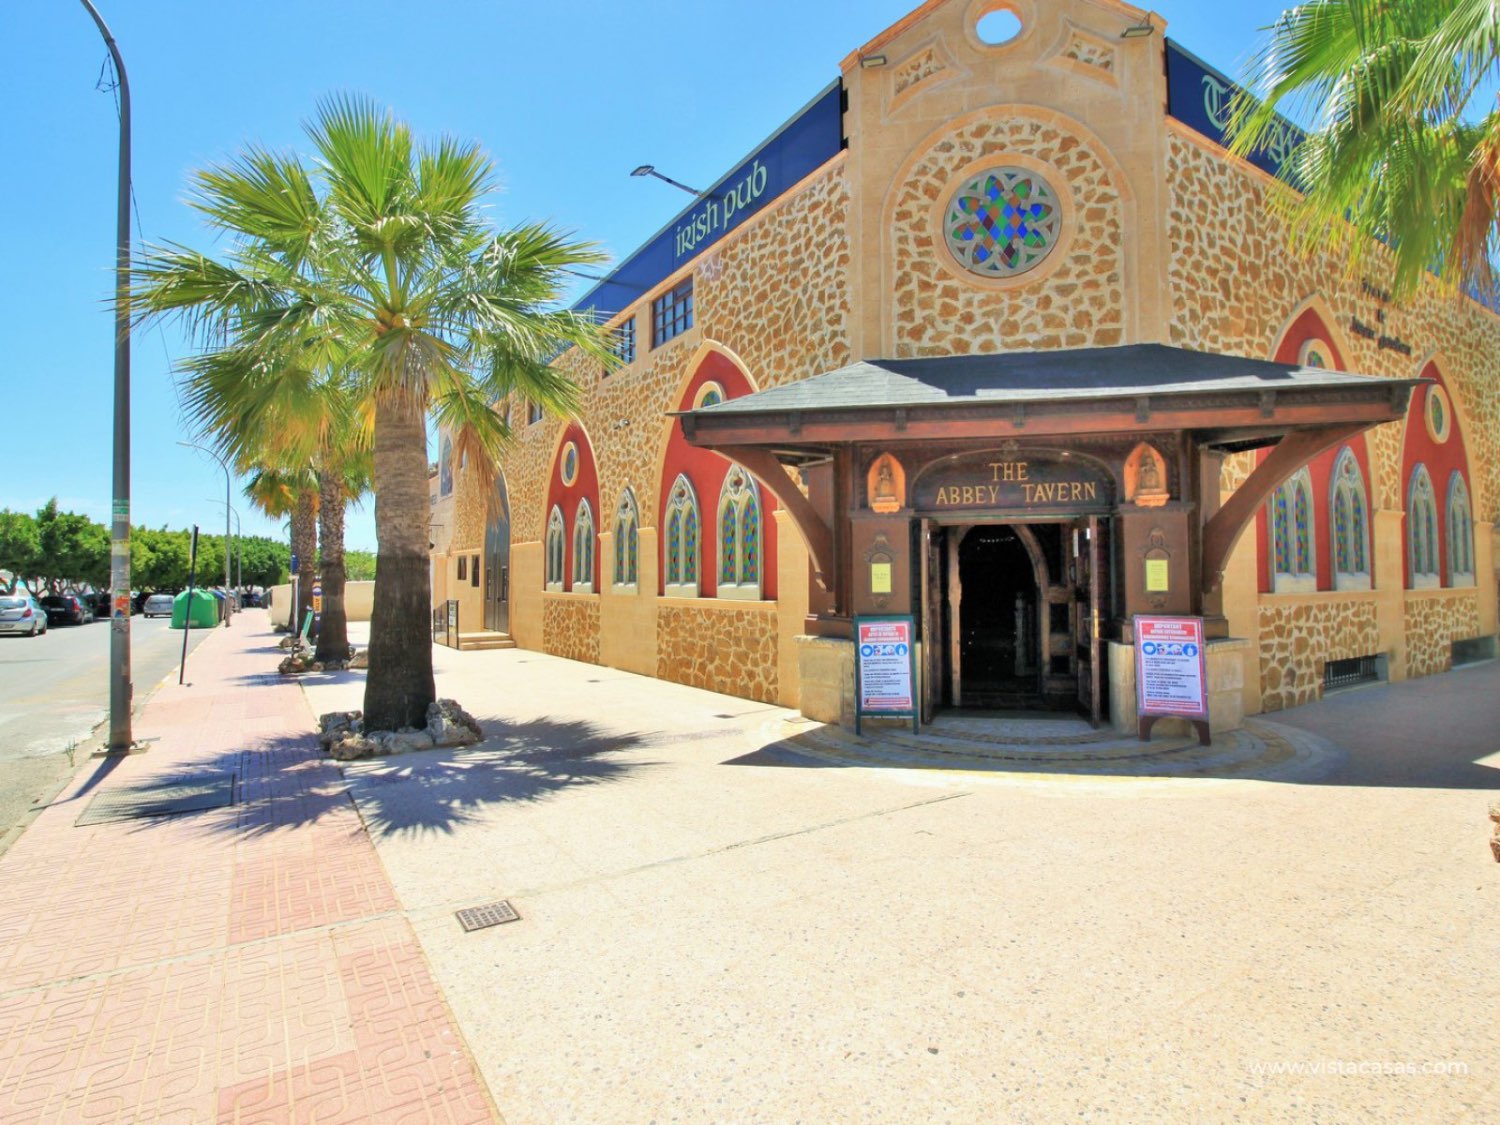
(333,630)
(399,685)
(305,547)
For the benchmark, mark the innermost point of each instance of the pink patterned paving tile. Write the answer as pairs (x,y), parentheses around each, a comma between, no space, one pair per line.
(328,1090)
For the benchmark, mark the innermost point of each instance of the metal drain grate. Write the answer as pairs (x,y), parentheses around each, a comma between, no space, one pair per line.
(182,795)
(492,914)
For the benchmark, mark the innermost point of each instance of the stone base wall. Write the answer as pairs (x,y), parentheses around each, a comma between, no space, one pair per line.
(570,626)
(733,651)
(1433,622)
(1299,635)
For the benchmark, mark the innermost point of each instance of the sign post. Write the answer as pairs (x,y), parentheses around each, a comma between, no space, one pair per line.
(885,668)
(1171,673)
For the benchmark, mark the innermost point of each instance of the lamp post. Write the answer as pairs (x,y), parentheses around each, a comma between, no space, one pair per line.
(223,464)
(239,545)
(120,686)
(650,170)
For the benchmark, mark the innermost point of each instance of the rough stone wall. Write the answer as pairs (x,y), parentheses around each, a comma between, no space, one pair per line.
(775,293)
(733,651)
(470,506)
(1432,625)
(1235,284)
(570,627)
(1298,637)
(1074,302)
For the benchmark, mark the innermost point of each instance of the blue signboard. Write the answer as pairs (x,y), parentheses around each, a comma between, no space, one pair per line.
(801,146)
(1200,97)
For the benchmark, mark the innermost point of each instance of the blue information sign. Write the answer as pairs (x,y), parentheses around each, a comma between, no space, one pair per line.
(1200,97)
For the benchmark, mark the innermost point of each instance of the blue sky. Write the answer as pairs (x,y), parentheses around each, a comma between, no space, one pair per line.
(567,99)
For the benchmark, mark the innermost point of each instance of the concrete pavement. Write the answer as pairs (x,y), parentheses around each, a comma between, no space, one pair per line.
(723,918)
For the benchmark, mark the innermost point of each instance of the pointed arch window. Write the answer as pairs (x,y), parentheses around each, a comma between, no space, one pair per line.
(1351,524)
(1460,533)
(555,544)
(1422,530)
(583,549)
(1294,567)
(680,541)
(627,544)
(739,536)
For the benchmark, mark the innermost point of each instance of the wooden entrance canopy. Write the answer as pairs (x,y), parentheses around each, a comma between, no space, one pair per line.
(1218,404)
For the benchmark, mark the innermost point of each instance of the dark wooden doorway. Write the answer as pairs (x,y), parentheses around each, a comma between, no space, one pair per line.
(497,564)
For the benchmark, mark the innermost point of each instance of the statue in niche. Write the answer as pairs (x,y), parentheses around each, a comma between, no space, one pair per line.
(886,485)
(1146,477)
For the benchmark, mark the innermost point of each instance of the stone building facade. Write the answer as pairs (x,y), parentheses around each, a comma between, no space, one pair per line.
(626,542)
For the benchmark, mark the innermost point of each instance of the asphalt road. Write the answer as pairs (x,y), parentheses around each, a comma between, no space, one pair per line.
(54,690)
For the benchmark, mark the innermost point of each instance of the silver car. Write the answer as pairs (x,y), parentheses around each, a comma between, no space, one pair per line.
(157,605)
(20,613)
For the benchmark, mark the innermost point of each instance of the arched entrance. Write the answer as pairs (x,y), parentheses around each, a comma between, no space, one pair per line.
(999,590)
(497,563)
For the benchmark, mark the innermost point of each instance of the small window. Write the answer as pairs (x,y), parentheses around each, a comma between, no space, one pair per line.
(627,544)
(1294,570)
(1460,533)
(533,412)
(739,536)
(672,313)
(474,572)
(1422,531)
(555,550)
(680,544)
(445,467)
(583,549)
(463,567)
(622,342)
(1351,525)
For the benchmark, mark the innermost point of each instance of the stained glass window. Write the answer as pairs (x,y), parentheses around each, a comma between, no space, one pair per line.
(1351,565)
(555,546)
(739,536)
(1460,533)
(569,463)
(1421,529)
(1002,222)
(680,549)
(627,540)
(1439,416)
(583,549)
(1292,531)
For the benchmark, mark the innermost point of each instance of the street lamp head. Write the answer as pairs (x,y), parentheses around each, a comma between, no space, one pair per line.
(644,170)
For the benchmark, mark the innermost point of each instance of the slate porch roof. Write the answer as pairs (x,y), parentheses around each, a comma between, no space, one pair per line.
(1080,374)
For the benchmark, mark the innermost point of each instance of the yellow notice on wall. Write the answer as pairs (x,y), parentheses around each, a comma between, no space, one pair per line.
(1156,576)
(880,578)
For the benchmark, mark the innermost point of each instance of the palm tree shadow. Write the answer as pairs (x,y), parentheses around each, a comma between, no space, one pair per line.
(282,784)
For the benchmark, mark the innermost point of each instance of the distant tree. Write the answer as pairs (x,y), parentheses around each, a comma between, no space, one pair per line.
(74,549)
(20,545)
(360,565)
(265,561)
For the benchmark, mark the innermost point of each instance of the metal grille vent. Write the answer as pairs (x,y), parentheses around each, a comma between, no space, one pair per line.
(1347,673)
(491,914)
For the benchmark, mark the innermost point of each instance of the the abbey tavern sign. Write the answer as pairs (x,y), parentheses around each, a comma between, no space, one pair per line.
(1014,481)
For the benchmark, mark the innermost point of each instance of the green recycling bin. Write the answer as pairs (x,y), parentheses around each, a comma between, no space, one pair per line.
(205,613)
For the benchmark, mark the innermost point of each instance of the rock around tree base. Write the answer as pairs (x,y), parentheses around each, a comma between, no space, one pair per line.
(344,738)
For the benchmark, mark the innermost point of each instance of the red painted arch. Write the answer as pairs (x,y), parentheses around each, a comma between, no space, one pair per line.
(1442,461)
(584,487)
(706,471)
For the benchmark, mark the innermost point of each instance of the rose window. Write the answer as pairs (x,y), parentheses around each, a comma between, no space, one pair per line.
(1003,222)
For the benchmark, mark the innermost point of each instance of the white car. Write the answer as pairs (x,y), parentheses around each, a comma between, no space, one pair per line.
(20,613)
(158,605)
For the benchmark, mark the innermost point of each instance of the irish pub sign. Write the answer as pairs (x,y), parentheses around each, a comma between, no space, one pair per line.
(1015,482)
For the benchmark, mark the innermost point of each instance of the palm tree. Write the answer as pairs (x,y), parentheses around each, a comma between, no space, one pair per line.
(384,269)
(1400,155)
(281,493)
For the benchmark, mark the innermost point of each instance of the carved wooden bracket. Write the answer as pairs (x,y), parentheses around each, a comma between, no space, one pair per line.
(771,473)
(1224,529)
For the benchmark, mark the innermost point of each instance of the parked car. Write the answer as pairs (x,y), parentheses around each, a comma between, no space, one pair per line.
(20,613)
(157,605)
(66,609)
(99,604)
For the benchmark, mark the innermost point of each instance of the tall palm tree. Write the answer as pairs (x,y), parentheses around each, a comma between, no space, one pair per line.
(291,494)
(382,265)
(1401,153)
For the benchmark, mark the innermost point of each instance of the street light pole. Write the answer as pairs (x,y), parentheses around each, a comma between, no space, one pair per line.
(239,546)
(223,464)
(120,686)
